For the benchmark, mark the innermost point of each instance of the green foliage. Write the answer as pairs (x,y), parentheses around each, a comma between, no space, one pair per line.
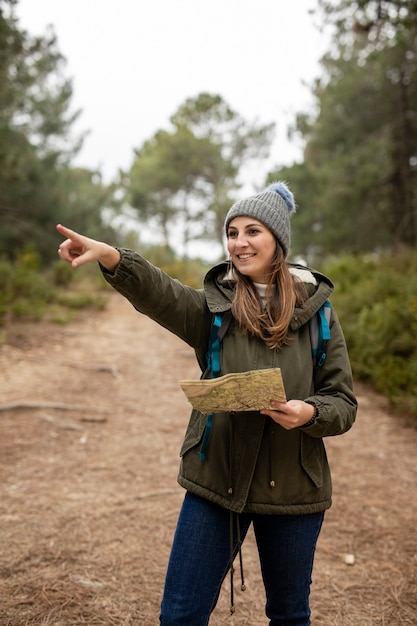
(186,177)
(82,300)
(38,188)
(376,300)
(28,258)
(28,293)
(34,122)
(189,272)
(62,274)
(168,182)
(24,291)
(82,196)
(357,186)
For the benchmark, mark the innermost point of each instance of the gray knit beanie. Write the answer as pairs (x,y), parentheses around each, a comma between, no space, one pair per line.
(272,207)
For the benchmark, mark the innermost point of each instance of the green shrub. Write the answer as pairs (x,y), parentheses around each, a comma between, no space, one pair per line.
(376,300)
(62,274)
(81,300)
(26,292)
(29,258)
(188,272)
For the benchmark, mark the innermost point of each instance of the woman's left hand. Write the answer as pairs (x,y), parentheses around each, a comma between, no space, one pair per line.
(291,414)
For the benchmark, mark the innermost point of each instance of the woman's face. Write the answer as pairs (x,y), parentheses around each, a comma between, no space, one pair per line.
(251,246)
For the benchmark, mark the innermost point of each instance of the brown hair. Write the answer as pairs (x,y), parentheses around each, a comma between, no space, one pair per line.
(284,292)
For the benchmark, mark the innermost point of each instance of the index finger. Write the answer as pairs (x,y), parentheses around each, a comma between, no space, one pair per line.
(67,232)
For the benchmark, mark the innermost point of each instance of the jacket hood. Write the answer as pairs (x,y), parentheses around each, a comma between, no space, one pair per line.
(319,288)
(219,287)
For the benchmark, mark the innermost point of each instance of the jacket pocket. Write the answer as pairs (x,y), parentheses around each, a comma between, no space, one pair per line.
(195,431)
(313,458)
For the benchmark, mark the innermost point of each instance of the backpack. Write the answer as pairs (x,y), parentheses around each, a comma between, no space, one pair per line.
(319,336)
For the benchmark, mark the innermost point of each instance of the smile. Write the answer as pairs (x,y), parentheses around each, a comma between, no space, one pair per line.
(243,257)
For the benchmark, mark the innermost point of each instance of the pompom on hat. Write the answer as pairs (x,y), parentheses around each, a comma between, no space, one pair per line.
(273,207)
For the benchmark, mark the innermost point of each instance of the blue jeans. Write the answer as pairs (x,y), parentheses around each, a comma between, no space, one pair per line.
(200,560)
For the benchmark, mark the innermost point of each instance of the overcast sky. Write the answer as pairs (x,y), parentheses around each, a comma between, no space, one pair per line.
(134,62)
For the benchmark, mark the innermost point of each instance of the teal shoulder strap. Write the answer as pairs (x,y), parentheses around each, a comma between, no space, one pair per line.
(213,353)
(221,323)
(320,333)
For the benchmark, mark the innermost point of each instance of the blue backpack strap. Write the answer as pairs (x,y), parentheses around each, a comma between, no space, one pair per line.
(206,436)
(218,330)
(320,334)
(213,353)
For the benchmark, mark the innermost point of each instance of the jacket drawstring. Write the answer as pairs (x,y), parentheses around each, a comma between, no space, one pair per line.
(230,477)
(232,553)
(271,456)
(239,540)
(232,595)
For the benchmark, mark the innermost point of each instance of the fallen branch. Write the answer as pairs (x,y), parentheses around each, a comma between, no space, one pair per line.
(111,369)
(96,420)
(52,405)
(59,424)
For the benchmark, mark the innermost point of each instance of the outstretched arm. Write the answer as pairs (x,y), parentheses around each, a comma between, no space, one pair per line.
(78,250)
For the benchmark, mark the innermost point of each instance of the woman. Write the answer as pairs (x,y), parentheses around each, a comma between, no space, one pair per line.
(268,467)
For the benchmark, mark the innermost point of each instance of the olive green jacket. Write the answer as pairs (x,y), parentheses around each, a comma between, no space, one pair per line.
(252,464)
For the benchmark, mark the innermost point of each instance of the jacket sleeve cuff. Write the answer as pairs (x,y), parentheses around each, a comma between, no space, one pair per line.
(122,271)
(315,417)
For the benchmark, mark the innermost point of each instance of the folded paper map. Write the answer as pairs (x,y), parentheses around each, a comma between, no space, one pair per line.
(247,391)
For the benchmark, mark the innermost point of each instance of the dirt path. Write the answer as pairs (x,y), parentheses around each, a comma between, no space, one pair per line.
(89,497)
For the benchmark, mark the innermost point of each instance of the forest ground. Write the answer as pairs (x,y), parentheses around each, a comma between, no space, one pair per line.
(92,419)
